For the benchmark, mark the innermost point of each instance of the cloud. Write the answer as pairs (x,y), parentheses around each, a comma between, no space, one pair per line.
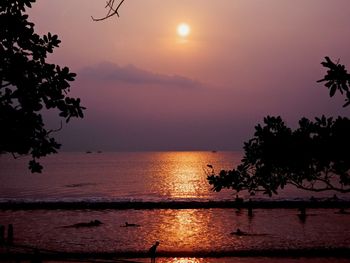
(130,74)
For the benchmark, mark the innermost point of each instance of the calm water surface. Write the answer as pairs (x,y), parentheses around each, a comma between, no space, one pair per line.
(189,230)
(156,176)
(138,176)
(141,176)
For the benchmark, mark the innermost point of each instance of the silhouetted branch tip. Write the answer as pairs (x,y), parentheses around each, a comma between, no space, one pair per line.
(112,10)
(55,130)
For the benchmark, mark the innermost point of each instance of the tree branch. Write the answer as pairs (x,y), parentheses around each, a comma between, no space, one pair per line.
(327,188)
(56,130)
(111,10)
(110,4)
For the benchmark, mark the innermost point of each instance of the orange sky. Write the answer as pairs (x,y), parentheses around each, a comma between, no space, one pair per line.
(147,90)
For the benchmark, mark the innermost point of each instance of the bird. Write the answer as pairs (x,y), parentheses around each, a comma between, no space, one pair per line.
(152,252)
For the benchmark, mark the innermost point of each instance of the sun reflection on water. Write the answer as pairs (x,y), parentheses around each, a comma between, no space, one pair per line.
(184,260)
(185,175)
(185,178)
(185,227)
(181,230)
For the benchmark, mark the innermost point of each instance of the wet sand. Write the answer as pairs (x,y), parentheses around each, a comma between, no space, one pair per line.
(206,260)
(22,253)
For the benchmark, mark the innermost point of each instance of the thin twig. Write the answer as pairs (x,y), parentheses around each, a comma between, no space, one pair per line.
(111,10)
(56,130)
(110,4)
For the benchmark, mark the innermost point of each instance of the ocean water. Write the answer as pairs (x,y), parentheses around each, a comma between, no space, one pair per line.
(134,176)
(156,176)
(194,231)
(141,176)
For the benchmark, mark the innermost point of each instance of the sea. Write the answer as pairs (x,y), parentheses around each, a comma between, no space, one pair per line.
(192,234)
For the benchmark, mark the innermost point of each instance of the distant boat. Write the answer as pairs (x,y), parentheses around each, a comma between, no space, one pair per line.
(88,151)
(213,151)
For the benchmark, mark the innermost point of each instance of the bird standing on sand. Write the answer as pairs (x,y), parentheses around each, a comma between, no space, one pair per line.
(152,252)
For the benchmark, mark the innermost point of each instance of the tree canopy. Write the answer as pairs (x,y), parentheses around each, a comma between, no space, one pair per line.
(314,157)
(29,86)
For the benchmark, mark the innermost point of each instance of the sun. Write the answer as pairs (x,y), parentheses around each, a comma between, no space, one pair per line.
(183,30)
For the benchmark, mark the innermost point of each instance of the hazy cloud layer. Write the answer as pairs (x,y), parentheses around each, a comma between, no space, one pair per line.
(129,108)
(130,74)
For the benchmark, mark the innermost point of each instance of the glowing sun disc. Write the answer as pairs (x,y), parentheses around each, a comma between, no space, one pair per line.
(183,30)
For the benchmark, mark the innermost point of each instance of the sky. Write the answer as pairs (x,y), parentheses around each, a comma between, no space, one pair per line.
(148,89)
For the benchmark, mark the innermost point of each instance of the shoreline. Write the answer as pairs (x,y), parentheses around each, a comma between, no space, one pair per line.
(318,252)
(43,205)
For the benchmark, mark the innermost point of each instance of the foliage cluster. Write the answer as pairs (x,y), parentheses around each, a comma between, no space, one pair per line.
(337,78)
(29,85)
(313,157)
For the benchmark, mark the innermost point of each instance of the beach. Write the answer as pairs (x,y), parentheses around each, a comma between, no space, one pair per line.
(53,213)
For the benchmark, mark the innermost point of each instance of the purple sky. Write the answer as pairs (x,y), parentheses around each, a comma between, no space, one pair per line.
(145,88)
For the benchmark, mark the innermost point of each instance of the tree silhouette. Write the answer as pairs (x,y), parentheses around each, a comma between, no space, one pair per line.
(337,78)
(313,157)
(30,86)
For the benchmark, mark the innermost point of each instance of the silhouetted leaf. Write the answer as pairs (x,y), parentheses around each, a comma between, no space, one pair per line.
(35,167)
(336,78)
(346,104)
(333,90)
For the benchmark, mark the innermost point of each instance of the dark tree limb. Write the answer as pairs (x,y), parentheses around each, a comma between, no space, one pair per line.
(55,130)
(323,189)
(112,10)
